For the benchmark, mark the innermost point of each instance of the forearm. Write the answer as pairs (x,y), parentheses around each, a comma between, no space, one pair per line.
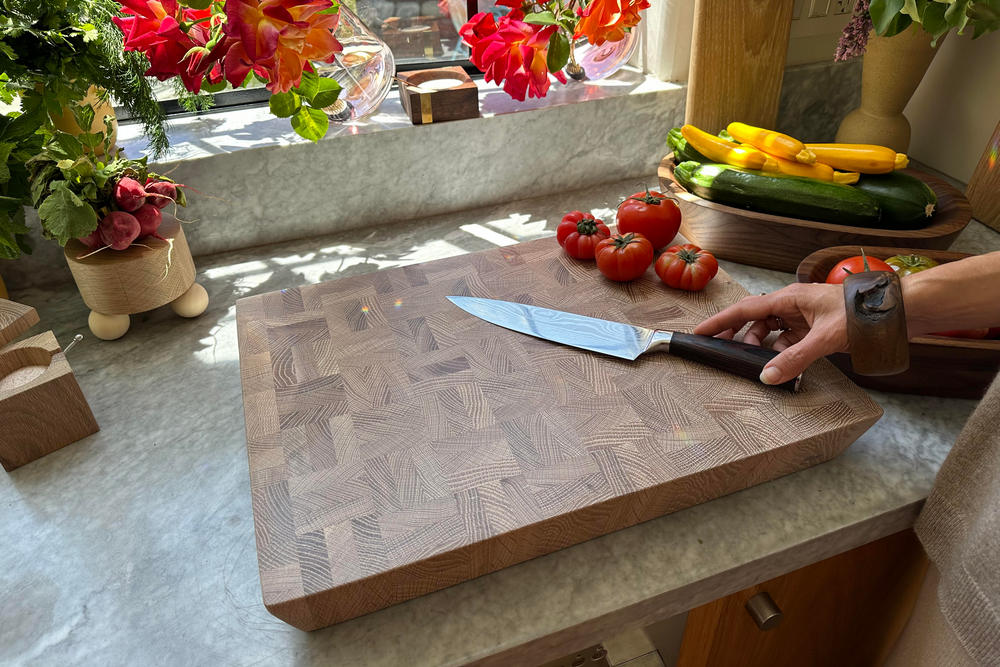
(957,295)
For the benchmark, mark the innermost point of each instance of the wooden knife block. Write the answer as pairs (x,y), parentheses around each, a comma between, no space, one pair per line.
(41,402)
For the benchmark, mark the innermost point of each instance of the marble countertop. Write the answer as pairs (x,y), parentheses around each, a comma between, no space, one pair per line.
(136,545)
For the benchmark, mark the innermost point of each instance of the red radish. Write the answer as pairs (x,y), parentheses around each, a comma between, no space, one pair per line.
(118,229)
(92,240)
(129,194)
(161,193)
(149,218)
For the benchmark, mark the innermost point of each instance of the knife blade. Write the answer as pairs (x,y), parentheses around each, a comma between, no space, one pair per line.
(617,339)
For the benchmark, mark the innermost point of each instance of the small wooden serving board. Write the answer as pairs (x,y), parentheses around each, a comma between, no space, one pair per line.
(398,445)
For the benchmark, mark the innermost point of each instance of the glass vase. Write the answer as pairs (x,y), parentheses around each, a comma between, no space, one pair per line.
(364,69)
(600,62)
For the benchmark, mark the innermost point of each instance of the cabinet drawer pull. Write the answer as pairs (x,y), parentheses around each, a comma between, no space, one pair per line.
(764,611)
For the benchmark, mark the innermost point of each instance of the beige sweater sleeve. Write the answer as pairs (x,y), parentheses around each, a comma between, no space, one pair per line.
(960,530)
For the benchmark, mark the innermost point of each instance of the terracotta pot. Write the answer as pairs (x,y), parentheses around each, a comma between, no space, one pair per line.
(893,68)
(67,123)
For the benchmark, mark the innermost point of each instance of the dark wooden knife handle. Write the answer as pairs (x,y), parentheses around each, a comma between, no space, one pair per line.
(728,355)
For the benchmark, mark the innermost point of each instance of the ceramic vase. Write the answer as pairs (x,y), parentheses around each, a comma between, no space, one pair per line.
(66,122)
(892,70)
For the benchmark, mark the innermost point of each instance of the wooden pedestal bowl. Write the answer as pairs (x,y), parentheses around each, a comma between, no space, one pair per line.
(939,365)
(117,283)
(780,243)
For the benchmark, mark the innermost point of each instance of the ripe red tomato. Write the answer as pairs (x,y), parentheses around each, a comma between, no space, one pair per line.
(624,257)
(686,267)
(579,233)
(652,214)
(964,333)
(851,265)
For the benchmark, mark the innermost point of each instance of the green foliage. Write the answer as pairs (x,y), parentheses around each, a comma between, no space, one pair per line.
(71,188)
(18,142)
(51,52)
(305,104)
(558,54)
(310,123)
(938,17)
(65,215)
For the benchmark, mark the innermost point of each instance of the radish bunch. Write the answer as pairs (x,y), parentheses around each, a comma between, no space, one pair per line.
(137,215)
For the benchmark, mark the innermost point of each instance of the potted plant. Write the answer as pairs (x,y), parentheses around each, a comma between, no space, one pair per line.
(59,64)
(68,58)
(899,39)
(125,255)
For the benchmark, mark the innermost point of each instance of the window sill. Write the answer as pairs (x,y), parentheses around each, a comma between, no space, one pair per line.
(232,130)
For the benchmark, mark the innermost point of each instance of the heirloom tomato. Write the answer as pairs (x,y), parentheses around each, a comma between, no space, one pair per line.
(652,214)
(904,265)
(851,265)
(624,257)
(579,233)
(686,267)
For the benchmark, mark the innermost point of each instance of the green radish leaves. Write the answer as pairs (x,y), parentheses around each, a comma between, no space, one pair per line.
(66,216)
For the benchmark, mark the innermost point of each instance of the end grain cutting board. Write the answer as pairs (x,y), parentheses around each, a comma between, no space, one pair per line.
(398,445)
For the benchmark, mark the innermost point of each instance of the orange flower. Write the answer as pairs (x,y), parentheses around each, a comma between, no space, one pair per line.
(278,38)
(607,20)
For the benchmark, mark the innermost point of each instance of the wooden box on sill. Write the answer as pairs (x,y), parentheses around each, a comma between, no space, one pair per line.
(437,95)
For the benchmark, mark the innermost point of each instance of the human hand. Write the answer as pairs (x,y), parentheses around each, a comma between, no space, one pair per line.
(812,320)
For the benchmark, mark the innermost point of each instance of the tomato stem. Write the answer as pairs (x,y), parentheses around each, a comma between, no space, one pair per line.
(587,227)
(622,241)
(688,255)
(648,198)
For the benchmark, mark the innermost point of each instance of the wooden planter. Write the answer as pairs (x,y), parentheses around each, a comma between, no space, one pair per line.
(117,283)
(780,243)
(939,365)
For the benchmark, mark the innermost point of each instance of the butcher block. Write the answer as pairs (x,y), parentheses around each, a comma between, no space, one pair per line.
(398,445)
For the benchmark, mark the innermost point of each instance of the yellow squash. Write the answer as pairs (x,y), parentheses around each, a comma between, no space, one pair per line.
(865,158)
(724,151)
(820,172)
(771,142)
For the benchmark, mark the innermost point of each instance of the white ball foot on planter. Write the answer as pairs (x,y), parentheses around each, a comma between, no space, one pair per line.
(192,303)
(108,327)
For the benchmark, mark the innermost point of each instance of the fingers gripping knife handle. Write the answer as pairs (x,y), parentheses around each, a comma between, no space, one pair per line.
(728,355)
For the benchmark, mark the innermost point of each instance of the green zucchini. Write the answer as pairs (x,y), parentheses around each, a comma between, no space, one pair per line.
(682,151)
(804,198)
(906,202)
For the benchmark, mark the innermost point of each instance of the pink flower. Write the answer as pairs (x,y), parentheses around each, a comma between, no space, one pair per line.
(154,27)
(511,51)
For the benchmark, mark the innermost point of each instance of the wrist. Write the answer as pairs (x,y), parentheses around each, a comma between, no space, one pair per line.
(914,288)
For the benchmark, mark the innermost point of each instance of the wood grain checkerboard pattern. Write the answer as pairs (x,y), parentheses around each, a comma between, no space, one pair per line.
(398,445)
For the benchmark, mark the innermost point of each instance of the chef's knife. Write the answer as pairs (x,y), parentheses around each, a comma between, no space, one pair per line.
(624,341)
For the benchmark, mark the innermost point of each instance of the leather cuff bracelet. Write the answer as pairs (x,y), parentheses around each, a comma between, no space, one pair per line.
(876,323)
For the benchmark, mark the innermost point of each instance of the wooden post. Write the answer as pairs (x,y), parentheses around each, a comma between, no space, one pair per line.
(737,62)
(984,186)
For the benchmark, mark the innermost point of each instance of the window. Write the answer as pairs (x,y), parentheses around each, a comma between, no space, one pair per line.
(420,33)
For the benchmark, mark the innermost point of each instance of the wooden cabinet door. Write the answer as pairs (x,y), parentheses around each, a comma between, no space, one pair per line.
(846,610)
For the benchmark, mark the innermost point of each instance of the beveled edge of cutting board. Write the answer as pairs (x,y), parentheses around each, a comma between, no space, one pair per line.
(311,611)
(335,605)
